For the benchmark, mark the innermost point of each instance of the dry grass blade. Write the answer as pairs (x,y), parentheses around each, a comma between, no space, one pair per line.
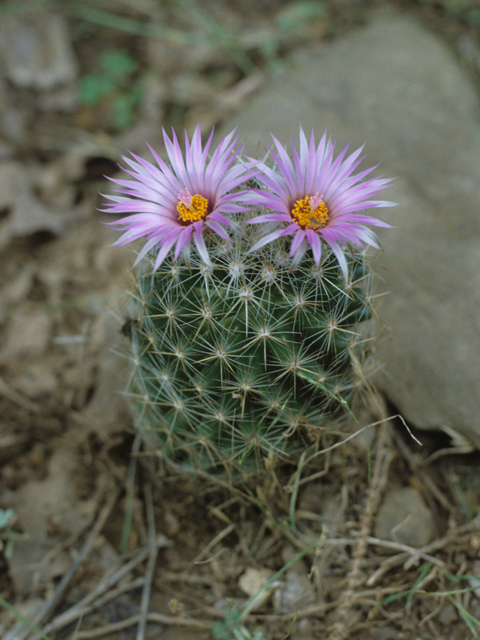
(49,606)
(152,560)
(18,615)
(339,630)
(94,600)
(10,393)
(212,543)
(103,593)
(171,621)
(441,543)
(417,553)
(130,486)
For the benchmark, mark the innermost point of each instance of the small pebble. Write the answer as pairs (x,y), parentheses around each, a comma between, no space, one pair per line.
(405,518)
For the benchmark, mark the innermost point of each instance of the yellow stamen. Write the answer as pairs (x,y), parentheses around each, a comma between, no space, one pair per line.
(192,208)
(308,217)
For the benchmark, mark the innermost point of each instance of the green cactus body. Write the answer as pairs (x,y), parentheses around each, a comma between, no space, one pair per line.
(251,357)
(253,308)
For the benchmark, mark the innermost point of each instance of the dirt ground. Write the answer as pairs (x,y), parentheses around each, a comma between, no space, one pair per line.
(98,539)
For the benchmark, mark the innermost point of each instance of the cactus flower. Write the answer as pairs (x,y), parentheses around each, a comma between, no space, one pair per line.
(171,205)
(317,197)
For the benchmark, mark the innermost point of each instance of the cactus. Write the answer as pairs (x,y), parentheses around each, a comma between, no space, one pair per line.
(247,346)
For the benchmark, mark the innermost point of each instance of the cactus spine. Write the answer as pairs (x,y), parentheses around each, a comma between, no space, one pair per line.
(250,357)
(248,343)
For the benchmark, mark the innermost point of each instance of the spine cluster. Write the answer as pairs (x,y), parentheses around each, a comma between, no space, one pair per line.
(252,305)
(250,357)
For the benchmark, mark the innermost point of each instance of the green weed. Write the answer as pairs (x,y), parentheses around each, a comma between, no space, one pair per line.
(115,81)
(18,615)
(7,535)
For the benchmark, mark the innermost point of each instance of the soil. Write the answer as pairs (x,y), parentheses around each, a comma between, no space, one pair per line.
(99,541)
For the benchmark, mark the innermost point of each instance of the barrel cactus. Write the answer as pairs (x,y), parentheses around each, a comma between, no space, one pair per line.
(247,342)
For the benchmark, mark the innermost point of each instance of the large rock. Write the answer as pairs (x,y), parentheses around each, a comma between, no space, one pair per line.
(397,87)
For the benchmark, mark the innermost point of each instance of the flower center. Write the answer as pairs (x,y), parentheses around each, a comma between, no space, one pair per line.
(191,208)
(310,212)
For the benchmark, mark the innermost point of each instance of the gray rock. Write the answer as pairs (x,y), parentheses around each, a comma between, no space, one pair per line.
(36,50)
(404,517)
(296,592)
(23,213)
(28,333)
(26,568)
(448,614)
(397,87)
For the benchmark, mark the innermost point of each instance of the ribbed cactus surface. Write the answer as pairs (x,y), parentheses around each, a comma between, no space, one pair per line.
(248,357)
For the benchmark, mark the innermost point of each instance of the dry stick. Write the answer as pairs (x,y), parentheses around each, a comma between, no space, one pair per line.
(412,556)
(418,553)
(417,469)
(130,487)
(385,567)
(152,560)
(474,525)
(87,604)
(39,618)
(432,614)
(318,610)
(16,397)
(98,597)
(111,595)
(110,580)
(420,586)
(212,543)
(339,630)
(73,539)
(188,578)
(241,495)
(78,614)
(150,617)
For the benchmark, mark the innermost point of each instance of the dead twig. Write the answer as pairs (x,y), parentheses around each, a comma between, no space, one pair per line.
(385,567)
(213,542)
(130,488)
(159,618)
(388,544)
(411,557)
(49,606)
(78,614)
(89,603)
(417,469)
(418,553)
(19,399)
(187,578)
(384,456)
(100,595)
(436,545)
(152,560)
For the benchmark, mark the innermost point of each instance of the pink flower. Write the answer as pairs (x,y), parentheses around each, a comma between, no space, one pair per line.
(172,204)
(316,197)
